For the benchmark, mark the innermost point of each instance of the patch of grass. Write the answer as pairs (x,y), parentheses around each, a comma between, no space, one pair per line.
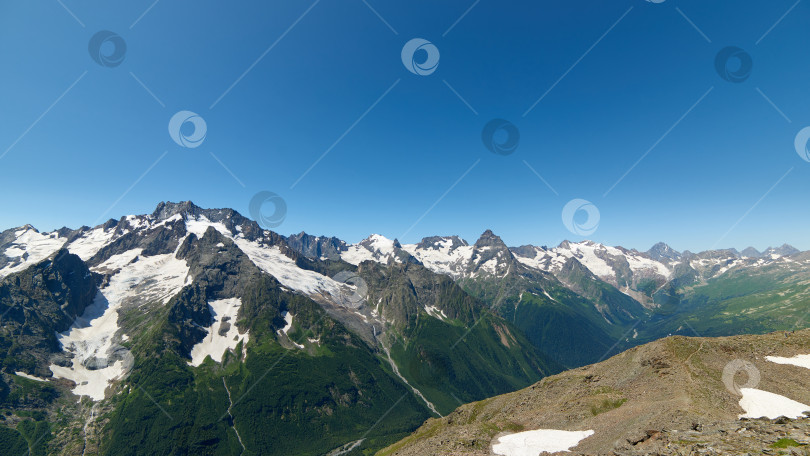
(603,390)
(785,443)
(607,405)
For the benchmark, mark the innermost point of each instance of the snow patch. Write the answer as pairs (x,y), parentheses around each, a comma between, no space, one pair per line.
(215,344)
(288,318)
(758,403)
(532,443)
(798,360)
(30,377)
(436,313)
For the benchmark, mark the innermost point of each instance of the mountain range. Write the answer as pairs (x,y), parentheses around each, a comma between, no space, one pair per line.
(196,331)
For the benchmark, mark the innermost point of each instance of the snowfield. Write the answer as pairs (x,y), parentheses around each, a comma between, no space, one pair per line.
(376,248)
(532,443)
(284,269)
(91,242)
(215,344)
(798,360)
(443,260)
(153,278)
(30,248)
(758,403)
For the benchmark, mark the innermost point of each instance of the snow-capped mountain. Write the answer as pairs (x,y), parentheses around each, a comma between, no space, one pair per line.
(188,308)
(626,269)
(444,255)
(451,256)
(127,308)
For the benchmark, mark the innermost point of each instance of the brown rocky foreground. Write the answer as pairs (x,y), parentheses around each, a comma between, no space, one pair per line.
(668,397)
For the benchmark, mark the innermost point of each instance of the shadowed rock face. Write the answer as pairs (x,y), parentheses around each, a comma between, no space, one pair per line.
(316,246)
(659,398)
(39,302)
(663,252)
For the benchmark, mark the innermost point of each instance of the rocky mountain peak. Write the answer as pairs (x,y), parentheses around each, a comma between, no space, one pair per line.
(439,242)
(663,252)
(316,246)
(783,250)
(751,252)
(168,209)
(490,239)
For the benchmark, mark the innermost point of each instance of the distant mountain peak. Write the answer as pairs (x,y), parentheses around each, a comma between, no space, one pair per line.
(439,242)
(663,252)
(489,239)
(782,250)
(379,242)
(751,252)
(168,209)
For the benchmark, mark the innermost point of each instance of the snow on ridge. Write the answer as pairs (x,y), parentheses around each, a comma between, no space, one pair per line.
(215,344)
(532,443)
(382,244)
(375,248)
(89,243)
(589,254)
(199,225)
(356,254)
(38,246)
(759,403)
(798,360)
(443,260)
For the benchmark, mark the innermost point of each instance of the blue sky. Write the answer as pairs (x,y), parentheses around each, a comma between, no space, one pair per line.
(619,77)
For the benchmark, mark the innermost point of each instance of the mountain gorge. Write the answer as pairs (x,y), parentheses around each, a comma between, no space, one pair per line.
(196,331)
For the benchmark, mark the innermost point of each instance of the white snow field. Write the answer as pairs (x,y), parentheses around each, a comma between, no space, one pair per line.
(91,242)
(444,259)
(758,403)
(30,377)
(37,246)
(798,360)
(153,278)
(284,269)
(377,248)
(532,443)
(214,343)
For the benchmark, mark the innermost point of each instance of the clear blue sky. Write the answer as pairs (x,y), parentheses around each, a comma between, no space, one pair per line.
(420,138)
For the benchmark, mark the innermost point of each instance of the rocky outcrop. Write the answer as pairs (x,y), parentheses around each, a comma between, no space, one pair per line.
(39,302)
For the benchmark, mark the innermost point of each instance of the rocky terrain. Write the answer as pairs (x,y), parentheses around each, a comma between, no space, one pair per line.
(678,395)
